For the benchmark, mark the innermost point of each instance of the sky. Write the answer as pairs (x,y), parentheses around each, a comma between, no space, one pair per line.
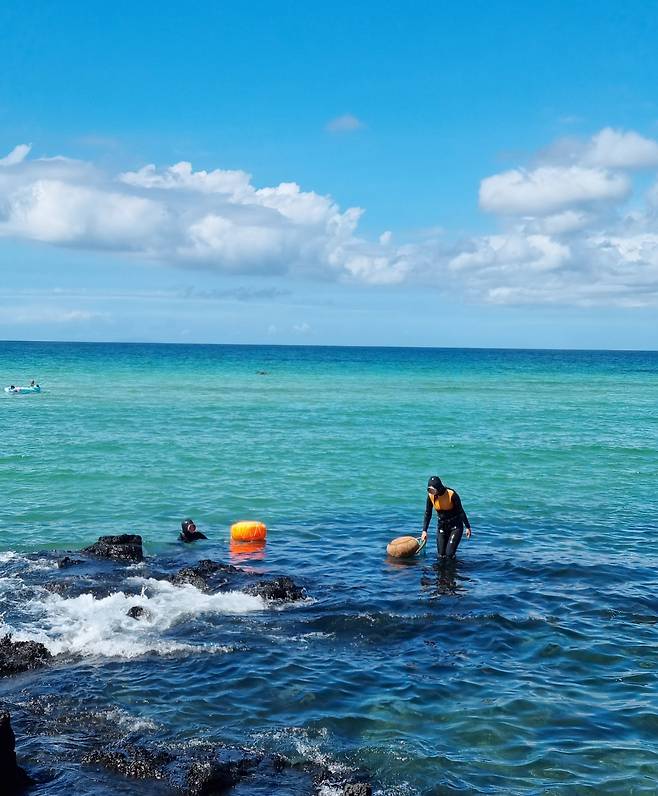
(415,174)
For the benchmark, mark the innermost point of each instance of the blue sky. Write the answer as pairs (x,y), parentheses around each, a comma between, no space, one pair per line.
(374,173)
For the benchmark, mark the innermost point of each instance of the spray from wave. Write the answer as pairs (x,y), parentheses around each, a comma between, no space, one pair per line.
(101,627)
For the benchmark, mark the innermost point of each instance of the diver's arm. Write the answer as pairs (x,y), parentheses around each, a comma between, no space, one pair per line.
(427,517)
(457,502)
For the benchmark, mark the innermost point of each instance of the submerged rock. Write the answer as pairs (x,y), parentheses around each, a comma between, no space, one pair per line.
(67,561)
(124,547)
(14,778)
(21,656)
(130,761)
(357,789)
(57,586)
(200,772)
(284,589)
(206,777)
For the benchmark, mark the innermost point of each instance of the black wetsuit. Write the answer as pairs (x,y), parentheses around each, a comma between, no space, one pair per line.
(451,524)
(191,537)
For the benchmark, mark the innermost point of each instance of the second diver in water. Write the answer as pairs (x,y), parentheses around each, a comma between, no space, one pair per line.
(452,519)
(189,532)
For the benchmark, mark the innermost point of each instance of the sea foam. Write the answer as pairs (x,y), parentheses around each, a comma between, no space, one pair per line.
(100,627)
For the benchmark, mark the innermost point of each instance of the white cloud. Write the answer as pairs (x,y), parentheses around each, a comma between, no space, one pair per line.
(615,149)
(42,314)
(347,123)
(301,328)
(548,189)
(512,253)
(234,184)
(60,212)
(17,155)
(568,221)
(567,233)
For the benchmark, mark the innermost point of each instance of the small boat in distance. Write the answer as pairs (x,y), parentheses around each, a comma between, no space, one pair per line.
(22,390)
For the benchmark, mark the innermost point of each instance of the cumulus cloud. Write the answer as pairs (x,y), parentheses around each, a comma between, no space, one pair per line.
(572,227)
(549,188)
(617,149)
(212,219)
(347,123)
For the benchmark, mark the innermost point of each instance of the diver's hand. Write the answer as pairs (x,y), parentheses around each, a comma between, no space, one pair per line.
(468,533)
(423,536)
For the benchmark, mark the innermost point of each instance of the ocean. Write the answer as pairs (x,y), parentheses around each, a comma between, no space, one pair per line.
(527,666)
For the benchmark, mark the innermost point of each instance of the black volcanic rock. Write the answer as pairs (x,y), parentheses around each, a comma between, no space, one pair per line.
(138,612)
(209,777)
(205,575)
(14,778)
(21,656)
(125,547)
(283,589)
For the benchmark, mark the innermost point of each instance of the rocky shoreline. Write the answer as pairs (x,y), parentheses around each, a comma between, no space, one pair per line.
(195,770)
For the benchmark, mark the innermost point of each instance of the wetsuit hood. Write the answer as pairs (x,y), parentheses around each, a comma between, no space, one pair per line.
(185,526)
(437,483)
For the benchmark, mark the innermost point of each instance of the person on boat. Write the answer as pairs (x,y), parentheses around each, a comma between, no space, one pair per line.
(452,519)
(33,383)
(189,532)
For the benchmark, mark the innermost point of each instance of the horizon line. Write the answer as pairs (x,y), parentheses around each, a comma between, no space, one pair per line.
(342,345)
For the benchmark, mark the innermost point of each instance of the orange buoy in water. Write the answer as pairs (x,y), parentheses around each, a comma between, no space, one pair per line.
(248,531)
(403,547)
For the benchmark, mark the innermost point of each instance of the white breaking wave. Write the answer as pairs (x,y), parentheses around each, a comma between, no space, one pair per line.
(30,563)
(99,627)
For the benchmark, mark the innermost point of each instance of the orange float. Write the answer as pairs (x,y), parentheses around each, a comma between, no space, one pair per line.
(403,547)
(248,531)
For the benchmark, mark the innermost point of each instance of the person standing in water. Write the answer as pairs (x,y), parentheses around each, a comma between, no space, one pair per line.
(452,518)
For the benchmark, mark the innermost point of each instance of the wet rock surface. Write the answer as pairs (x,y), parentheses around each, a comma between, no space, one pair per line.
(21,656)
(210,771)
(13,779)
(124,547)
(282,589)
(138,612)
(207,575)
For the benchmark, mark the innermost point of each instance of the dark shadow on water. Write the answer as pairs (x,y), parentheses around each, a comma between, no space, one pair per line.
(445,578)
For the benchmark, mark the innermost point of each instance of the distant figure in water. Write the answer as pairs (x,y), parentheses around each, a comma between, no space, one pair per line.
(452,518)
(189,532)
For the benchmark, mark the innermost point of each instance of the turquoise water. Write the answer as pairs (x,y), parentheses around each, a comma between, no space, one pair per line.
(529,666)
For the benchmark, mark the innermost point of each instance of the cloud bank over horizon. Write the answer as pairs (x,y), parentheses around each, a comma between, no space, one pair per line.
(574,227)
